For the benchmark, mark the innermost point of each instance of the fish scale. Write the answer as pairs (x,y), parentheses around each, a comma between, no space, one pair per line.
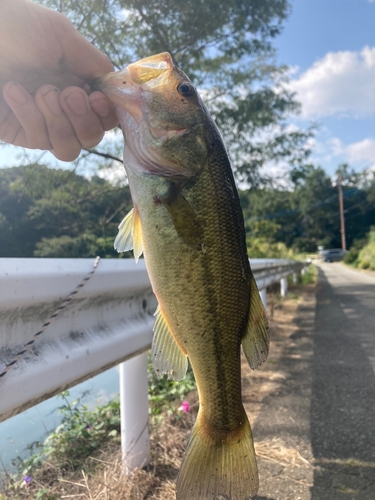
(188,222)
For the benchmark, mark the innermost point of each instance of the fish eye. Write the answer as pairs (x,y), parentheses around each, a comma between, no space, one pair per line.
(185,89)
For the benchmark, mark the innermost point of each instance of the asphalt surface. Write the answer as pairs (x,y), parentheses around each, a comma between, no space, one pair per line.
(326,406)
(343,368)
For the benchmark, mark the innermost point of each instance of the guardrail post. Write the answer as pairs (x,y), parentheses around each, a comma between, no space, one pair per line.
(134,412)
(263,296)
(283,287)
(295,278)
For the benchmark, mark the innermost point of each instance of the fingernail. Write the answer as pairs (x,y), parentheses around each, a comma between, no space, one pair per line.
(101,107)
(77,104)
(52,99)
(17,93)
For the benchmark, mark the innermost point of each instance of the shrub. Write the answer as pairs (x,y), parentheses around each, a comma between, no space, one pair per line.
(83,431)
(80,433)
(162,392)
(364,264)
(351,256)
(366,256)
(310,277)
(260,248)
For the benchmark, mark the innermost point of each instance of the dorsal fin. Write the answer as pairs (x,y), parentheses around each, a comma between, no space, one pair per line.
(130,234)
(255,341)
(166,355)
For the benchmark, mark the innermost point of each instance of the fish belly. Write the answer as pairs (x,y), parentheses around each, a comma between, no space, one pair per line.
(204,293)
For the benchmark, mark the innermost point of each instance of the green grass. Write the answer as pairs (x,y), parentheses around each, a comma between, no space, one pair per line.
(162,393)
(80,434)
(310,277)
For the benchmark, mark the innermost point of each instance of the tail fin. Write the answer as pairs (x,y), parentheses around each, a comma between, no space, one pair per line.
(218,467)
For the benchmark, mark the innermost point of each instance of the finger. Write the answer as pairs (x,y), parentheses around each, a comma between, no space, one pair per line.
(104,109)
(65,144)
(9,125)
(34,131)
(11,131)
(86,124)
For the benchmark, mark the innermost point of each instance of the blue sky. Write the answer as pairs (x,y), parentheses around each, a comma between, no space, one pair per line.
(330,46)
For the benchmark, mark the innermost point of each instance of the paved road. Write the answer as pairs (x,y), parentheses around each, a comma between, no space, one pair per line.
(343,388)
(326,408)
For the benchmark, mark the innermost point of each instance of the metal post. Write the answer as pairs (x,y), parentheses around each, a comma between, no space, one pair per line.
(134,412)
(263,296)
(295,278)
(283,287)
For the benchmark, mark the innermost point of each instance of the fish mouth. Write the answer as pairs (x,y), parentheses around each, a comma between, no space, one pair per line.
(124,88)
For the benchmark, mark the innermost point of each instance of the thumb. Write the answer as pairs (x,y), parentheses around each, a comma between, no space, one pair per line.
(81,57)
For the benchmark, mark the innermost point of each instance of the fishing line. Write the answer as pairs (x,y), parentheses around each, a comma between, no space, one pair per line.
(51,318)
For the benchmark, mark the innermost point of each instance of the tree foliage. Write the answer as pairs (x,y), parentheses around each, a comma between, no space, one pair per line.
(47,212)
(56,213)
(225,46)
(306,214)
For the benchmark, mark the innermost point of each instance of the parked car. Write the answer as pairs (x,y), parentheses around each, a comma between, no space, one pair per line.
(333,255)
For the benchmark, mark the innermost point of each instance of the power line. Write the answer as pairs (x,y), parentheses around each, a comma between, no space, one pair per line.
(301,223)
(346,194)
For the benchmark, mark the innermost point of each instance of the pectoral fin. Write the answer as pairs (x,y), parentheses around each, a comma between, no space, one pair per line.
(166,355)
(137,235)
(255,342)
(183,216)
(130,234)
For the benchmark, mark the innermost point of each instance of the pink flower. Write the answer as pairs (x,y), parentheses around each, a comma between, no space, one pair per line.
(185,407)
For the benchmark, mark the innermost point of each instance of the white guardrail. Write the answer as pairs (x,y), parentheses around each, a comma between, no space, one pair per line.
(109,322)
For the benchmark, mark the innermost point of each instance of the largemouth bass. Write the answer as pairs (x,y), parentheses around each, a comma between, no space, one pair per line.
(188,222)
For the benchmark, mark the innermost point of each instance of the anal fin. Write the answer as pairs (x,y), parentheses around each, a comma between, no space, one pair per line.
(255,341)
(166,355)
(129,236)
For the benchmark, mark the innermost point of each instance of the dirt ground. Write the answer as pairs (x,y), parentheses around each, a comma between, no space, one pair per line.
(281,419)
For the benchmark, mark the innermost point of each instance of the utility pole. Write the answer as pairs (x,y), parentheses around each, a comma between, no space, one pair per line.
(342,220)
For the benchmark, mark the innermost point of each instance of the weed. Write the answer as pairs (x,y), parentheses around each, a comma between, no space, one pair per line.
(310,277)
(82,431)
(162,393)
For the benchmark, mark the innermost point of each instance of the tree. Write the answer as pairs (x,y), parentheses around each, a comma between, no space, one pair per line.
(225,46)
(306,214)
(48,212)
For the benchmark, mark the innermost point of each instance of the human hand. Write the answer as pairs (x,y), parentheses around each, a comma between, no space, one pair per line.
(44,66)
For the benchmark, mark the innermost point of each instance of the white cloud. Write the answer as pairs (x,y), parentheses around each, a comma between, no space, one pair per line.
(359,154)
(361,151)
(341,83)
